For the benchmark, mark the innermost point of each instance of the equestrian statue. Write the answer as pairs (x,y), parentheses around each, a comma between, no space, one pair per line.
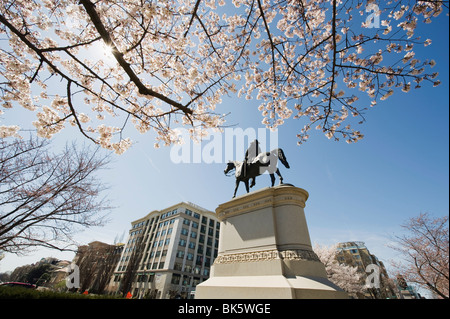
(257,163)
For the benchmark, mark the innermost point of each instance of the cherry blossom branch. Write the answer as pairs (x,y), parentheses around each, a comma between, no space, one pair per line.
(24,39)
(193,16)
(272,44)
(72,109)
(333,68)
(95,18)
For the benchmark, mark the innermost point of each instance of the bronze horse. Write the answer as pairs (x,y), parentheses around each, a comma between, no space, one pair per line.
(265,161)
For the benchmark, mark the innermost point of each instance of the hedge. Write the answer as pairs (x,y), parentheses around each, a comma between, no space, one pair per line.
(27,293)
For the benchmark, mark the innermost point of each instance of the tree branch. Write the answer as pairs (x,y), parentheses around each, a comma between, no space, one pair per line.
(95,18)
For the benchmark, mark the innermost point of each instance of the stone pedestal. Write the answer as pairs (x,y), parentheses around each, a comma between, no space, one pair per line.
(265,250)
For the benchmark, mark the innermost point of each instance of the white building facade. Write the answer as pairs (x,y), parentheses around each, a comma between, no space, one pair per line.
(168,253)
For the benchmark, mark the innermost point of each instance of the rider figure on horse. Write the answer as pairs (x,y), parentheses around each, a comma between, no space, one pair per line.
(251,153)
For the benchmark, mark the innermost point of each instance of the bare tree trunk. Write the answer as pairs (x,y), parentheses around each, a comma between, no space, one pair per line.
(132,267)
(105,270)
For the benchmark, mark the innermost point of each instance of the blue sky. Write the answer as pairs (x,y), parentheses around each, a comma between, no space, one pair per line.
(358,192)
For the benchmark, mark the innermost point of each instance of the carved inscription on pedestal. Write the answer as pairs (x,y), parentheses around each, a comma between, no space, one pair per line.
(268,255)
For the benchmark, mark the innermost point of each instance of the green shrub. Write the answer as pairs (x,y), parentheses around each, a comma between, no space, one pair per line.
(26,293)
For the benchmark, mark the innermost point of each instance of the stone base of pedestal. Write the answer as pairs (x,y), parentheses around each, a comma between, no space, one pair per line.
(268,287)
(265,250)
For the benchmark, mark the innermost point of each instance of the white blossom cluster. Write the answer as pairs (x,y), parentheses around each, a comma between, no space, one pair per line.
(167,63)
(345,276)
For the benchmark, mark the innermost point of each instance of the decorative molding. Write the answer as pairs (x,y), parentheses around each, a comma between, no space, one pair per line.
(268,197)
(299,254)
(244,208)
(268,255)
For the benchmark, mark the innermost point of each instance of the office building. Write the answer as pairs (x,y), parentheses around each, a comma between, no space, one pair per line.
(356,254)
(168,253)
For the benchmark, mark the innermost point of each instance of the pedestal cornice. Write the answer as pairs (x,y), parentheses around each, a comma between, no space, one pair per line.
(267,197)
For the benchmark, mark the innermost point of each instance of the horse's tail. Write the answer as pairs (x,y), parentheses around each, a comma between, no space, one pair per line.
(282,158)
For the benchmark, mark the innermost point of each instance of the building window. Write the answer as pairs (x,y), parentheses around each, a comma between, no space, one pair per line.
(178,266)
(182,243)
(186,280)
(175,279)
(195,281)
(188,268)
